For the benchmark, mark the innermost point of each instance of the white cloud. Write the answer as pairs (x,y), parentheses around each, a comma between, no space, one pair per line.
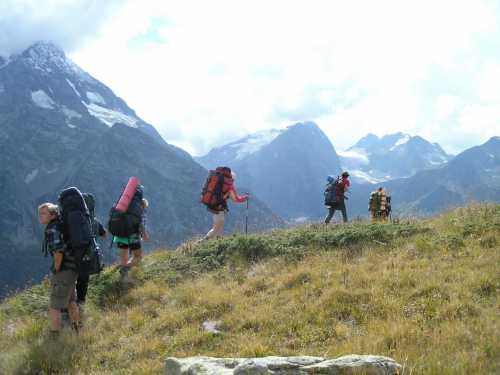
(209,72)
(64,22)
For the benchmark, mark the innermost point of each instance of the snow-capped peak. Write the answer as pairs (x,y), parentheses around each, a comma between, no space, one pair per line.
(46,56)
(254,142)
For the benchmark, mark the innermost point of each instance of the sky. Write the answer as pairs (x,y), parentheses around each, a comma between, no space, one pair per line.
(206,73)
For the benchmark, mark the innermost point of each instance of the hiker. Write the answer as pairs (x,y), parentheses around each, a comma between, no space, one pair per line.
(63,269)
(335,196)
(82,282)
(378,205)
(132,242)
(218,188)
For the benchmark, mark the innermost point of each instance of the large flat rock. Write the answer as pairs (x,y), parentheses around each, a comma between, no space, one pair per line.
(346,365)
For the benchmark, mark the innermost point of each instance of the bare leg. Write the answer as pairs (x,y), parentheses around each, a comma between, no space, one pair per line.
(55,319)
(124,257)
(217,227)
(136,258)
(74,314)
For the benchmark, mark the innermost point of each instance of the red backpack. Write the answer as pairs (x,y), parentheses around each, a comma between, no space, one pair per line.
(212,194)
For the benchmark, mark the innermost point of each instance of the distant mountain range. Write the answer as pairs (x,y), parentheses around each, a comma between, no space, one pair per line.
(286,168)
(374,159)
(422,178)
(60,127)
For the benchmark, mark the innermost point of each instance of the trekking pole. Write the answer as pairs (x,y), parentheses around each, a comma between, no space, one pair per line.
(246,216)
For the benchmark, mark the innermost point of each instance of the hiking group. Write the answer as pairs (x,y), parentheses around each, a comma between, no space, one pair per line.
(70,235)
(71,230)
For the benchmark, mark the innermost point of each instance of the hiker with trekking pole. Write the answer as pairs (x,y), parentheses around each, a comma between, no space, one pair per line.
(218,188)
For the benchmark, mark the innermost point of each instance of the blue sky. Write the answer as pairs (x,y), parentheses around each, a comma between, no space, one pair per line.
(206,73)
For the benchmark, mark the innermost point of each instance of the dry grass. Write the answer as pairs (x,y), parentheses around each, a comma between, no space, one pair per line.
(428,298)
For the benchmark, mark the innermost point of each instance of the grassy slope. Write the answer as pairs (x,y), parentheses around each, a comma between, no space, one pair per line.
(424,293)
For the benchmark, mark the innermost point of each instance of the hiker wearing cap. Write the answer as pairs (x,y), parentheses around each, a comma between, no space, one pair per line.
(335,196)
(218,188)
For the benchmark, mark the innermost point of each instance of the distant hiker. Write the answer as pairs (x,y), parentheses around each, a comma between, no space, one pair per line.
(335,196)
(63,269)
(379,205)
(129,227)
(82,282)
(218,188)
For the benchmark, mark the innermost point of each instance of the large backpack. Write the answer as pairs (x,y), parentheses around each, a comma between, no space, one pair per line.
(124,224)
(331,193)
(75,224)
(93,261)
(212,194)
(374,202)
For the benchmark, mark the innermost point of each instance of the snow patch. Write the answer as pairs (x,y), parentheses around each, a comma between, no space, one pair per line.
(31,176)
(73,87)
(71,125)
(400,142)
(109,116)
(69,113)
(95,98)
(42,100)
(436,159)
(358,154)
(255,142)
(367,177)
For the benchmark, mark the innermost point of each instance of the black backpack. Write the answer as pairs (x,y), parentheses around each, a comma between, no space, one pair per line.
(75,224)
(124,224)
(92,262)
(331,193)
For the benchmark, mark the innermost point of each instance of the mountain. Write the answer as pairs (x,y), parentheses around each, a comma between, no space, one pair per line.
(473,175)
(60,127)
(393,156)
(286,168)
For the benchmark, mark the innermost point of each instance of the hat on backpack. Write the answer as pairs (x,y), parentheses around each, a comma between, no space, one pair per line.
(330,179)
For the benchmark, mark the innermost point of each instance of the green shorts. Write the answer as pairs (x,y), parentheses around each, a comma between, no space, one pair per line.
(133,242)
(62,289)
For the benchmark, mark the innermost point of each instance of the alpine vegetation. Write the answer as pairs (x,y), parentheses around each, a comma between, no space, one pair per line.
(422,293)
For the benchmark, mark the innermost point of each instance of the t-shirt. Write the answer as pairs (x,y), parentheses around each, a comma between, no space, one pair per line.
(343,185)
(54,242)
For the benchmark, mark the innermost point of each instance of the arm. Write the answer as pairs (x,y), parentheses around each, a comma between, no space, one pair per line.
(142,229)
(55,246)
(346,186)
(237,198)
(58,257)
(101,230)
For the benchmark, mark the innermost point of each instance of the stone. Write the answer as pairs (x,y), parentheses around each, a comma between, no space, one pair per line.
(299,365)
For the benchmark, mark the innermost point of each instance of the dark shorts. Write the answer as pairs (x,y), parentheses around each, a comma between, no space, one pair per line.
(132,242)
(62,289)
